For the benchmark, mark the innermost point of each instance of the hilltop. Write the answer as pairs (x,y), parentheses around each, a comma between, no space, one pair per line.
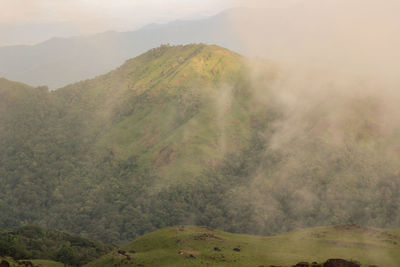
(202,246)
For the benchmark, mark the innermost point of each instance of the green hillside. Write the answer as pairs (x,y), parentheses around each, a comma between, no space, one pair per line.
(166,107)
(95,150)
(202,246)
(193,135)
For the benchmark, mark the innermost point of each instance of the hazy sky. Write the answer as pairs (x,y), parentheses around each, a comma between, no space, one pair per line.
(32,21)
(27,21)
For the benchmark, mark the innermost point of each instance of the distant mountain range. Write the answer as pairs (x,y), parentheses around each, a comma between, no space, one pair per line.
(60,61)
(310,32)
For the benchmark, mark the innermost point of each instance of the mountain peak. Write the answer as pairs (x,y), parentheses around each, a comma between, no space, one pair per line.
(175,64)
(164,90)
(189,50)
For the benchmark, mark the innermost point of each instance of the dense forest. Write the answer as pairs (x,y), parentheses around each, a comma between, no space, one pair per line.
(32,242)
(179,135)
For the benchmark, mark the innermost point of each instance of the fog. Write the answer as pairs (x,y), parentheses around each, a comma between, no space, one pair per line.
(324,150)
(337,91)
(24,22)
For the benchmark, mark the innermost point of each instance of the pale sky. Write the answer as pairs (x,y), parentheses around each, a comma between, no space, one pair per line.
(134,11)
(32,21)
(29,21)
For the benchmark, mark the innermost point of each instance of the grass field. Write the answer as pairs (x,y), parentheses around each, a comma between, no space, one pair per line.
(47,263)
(198,246)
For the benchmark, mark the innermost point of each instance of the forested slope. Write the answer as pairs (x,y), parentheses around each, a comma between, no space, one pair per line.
(92,156)
(192,135)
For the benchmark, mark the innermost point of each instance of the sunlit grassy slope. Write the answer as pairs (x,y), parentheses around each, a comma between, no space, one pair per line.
(47,263)
(210,247)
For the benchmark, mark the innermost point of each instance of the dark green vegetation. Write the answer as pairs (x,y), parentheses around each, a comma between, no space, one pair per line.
(34,243)
(182,135)
(34,263)
(201,246)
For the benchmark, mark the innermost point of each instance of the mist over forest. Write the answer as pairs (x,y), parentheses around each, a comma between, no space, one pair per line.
(256,121)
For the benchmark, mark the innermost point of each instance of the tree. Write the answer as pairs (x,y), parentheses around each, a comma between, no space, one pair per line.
(66,254)
(8,245)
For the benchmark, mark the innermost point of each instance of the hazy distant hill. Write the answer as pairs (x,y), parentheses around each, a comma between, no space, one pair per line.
(60,61)
(310,32)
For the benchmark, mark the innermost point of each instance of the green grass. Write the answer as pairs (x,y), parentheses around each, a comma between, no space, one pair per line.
(369,246)
(47,263)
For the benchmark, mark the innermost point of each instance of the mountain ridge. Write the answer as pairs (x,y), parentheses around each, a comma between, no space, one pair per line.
(108,50)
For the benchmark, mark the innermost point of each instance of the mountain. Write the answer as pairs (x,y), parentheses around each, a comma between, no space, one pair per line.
(60,61)
(309,32)
(198,246)
(196,135)
(164,106)
(31,32)
(101,146)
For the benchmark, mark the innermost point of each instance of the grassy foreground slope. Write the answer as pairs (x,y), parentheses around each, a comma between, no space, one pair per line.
(201,246)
